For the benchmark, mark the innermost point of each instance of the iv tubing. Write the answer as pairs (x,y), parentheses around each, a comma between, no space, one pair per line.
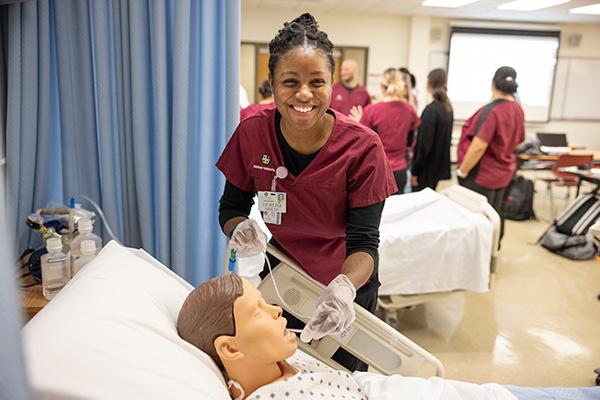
(101,214)
(279,295)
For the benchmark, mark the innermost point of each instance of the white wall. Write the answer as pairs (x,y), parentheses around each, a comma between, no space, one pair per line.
(386,37)
(421,43)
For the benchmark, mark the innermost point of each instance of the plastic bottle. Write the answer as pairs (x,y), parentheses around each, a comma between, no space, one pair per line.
(56,270)
(251,267)
(88,253)
(84,226)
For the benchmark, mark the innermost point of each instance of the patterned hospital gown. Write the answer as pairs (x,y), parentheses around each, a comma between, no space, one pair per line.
(314,381)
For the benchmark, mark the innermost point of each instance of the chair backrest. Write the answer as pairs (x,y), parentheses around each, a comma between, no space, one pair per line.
(571,160)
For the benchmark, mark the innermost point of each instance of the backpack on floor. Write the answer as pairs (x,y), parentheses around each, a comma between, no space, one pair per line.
(567,236)
(519,203)
(580,215)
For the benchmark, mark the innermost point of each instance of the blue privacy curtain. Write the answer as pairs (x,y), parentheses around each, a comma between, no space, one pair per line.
(129,103)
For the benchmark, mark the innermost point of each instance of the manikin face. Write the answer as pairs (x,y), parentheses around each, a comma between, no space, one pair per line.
(260,333)
(348,71)
(302,87)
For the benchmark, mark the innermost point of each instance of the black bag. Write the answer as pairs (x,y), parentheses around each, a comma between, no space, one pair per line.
(582,214)
(567,236)
(519,203)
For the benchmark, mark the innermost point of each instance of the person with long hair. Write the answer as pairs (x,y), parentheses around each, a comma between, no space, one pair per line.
(321,181)
(486,150)
(431,160)
(395,121)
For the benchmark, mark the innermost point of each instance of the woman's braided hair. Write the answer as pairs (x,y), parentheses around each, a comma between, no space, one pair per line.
(303,31)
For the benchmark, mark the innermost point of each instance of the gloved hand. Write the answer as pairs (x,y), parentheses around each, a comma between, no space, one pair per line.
(334,311)
(248,239)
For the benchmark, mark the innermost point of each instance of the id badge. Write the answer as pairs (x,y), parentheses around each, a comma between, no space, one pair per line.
(272,202)
(272,205)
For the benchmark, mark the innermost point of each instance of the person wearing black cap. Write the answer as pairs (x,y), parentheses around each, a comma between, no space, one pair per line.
(486,150)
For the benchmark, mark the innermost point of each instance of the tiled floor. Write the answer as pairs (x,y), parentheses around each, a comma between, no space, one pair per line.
(538,326)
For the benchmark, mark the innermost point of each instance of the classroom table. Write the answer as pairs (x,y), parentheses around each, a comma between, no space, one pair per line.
(588,175)
(546,161)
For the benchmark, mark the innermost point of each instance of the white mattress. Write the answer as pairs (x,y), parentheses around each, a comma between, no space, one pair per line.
(431,244)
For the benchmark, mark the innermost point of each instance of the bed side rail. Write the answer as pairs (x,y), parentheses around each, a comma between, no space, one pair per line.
(368,338)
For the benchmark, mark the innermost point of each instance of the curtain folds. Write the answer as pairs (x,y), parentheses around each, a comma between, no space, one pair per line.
(129,103)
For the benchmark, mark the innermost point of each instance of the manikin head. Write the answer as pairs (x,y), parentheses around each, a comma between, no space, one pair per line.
(227,318)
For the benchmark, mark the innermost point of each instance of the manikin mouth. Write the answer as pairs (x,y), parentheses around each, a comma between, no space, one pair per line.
(303,108)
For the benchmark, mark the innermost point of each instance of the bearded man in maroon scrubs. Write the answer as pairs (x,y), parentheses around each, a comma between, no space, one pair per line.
(348,93)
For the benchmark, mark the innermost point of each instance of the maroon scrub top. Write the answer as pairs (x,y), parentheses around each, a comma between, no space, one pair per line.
(392,120)
(343,99)
(349,171)
(503,130)
(253,109)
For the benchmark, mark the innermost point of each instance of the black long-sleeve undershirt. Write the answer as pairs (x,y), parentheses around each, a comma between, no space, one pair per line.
(362,225)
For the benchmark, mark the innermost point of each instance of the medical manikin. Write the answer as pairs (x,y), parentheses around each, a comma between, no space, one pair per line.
(228,319)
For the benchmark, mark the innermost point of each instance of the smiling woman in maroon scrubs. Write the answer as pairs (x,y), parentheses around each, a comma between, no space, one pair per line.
(335,179)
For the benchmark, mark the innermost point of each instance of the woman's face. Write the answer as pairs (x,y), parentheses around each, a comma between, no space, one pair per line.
(302,87)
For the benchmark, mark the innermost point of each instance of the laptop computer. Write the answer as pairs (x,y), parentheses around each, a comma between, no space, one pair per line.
(553,143)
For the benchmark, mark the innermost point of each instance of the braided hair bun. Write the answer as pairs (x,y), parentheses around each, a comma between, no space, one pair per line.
(303,31)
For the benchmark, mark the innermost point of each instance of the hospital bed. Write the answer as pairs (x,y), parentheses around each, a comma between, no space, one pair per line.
(111,333)
(432,244)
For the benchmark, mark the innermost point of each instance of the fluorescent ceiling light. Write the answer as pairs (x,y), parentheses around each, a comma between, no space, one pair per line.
(447,3)
(530,5)
(593,9)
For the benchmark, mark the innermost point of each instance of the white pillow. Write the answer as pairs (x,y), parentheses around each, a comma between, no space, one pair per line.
(110,334)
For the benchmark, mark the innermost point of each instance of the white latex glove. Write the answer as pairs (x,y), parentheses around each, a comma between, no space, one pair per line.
(248,239)
(334,312)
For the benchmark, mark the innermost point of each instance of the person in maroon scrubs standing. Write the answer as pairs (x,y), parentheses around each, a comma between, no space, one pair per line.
(486,160)
(321,180)
(267,102)
(395,121)
(348,93)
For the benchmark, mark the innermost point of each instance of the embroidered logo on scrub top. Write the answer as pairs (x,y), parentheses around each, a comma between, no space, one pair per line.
(338,97)
(265,159)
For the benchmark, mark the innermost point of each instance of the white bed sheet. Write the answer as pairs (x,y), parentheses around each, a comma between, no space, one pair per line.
(431,244)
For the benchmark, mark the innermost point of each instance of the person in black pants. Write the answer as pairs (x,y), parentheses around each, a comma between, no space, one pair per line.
(431,160)
(486,150)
